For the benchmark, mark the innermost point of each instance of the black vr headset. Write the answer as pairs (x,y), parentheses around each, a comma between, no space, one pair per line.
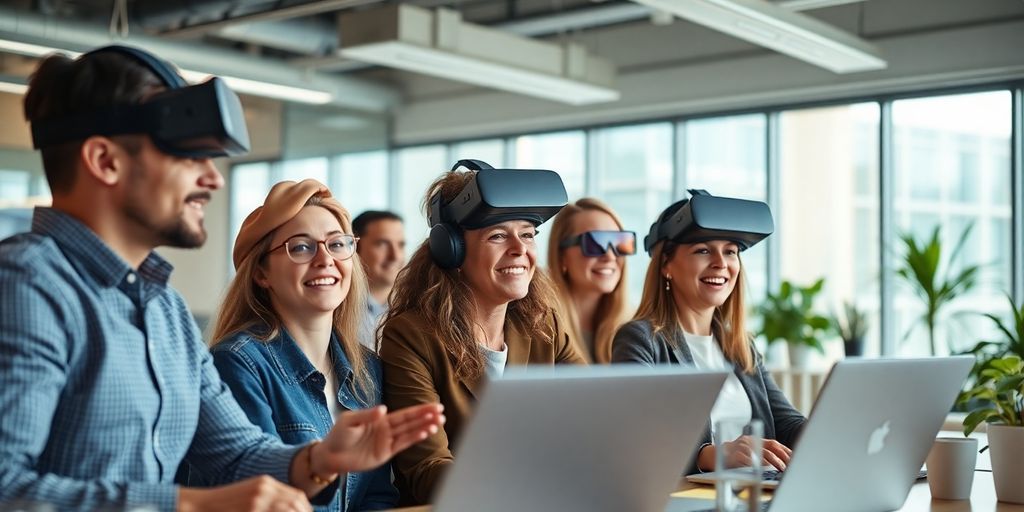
(491,197)
(704,217)
(197,121)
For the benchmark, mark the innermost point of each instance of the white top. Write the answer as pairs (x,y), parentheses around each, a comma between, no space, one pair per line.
(331,395)
(733,402)
(495,360)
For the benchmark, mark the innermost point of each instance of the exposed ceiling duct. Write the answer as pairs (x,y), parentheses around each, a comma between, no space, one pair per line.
(441,44)
(22,28)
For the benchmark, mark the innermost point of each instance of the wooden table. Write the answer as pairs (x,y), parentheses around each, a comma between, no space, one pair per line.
(983,499)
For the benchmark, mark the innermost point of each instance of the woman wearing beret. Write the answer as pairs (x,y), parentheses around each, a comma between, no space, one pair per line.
(286,338)
(455,321)
(692,313)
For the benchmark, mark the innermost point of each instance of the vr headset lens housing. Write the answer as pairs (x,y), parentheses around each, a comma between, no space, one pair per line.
(500,195)
(595,244)
(199,121)
(705,217)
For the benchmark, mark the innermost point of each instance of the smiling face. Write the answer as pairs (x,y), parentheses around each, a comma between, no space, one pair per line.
(703,274)
(301,290)
(164,196)
(588,274)
(500,262)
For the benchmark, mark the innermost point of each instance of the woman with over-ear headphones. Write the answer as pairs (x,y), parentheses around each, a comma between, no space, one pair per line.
(469,303)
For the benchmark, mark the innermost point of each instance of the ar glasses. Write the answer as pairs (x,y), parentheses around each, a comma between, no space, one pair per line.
(302,249)
(595,243)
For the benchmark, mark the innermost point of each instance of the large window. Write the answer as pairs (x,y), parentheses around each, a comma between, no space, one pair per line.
(632,170)
(360,180)
(827,222)
(952,171)
(415,169)
(727,156)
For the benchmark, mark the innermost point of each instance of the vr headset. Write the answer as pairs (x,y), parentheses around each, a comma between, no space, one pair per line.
(595,244)
(197,121)
(491,197)
(705,217)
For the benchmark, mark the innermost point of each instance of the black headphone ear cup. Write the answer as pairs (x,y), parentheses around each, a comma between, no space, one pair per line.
(447,246)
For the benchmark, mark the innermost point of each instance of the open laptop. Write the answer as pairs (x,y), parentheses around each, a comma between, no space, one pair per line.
(868,434)
(587,439)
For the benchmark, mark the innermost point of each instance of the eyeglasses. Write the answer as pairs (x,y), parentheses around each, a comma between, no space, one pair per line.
(595,243)
(302,249)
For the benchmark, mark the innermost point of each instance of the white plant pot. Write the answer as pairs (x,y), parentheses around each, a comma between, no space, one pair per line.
(1006,446)
(799,356)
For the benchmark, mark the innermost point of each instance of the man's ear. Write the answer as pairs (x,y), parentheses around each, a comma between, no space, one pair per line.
(104,160)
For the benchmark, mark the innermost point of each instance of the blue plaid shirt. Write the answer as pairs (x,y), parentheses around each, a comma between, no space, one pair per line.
(105,383)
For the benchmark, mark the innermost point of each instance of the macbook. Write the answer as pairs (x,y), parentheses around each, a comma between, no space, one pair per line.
(587,439)
(868,434)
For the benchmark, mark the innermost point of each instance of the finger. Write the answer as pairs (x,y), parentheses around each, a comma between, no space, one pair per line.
(362,416)
(408,439)
(397,418)
(422,423)
(773,460)
(778,450)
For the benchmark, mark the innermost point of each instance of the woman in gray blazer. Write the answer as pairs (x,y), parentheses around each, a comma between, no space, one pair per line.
(692,312)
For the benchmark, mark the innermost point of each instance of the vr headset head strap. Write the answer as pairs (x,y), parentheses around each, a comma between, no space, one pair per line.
(160,68)
(473,165)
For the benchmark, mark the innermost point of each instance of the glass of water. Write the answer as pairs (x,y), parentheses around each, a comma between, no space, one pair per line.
(738,452)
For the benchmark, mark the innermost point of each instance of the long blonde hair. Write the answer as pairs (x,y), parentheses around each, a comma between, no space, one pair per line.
(445,301)
(728,323)
(247,307)
(611,309)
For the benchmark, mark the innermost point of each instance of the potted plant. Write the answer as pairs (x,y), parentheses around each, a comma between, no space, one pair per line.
(999,395)
(852,326)
(985,352)
(789,315)
(920,269)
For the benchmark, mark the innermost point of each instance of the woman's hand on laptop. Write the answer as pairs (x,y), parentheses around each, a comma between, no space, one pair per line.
(774,453)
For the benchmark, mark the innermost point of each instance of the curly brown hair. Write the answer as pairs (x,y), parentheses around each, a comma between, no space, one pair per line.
(444,299)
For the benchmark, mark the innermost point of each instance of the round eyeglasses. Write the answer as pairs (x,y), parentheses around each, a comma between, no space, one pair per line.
(302,249)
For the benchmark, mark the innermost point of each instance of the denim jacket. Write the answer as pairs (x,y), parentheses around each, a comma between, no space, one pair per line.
(282,393)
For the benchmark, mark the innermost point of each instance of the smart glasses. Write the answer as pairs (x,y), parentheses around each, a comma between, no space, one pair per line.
(302,249)
(596,243)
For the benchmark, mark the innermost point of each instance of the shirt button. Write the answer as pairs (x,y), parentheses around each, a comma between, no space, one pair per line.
(130,278)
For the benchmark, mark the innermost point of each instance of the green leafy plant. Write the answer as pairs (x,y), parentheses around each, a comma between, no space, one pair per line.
(851,326)
(985,352)
(998,395)
(920,268)
(789,315)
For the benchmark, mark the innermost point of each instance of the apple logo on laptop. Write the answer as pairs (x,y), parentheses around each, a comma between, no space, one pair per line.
(877,440)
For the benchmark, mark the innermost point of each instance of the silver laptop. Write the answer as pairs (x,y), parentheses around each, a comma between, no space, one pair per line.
(868,434)
(586,439)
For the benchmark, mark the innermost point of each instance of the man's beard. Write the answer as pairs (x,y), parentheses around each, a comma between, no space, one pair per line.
(176,233)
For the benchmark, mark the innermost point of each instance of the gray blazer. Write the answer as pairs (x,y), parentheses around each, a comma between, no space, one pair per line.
(635,343)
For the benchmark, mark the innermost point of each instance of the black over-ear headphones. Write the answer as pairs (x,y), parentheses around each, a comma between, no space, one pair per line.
(447,245)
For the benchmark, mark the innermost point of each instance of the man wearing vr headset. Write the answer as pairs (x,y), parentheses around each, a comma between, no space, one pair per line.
(105,383)
(692,312)
(469,303)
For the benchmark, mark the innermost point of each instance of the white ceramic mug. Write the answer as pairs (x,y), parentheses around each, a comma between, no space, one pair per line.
(951,467)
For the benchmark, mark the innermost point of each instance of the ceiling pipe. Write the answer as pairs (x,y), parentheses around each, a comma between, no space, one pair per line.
(349,92)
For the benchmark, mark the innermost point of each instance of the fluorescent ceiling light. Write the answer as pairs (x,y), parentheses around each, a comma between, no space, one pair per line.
(439,43)
(242,85)
(797,35)
(265,89)
(13,87)
(430,61)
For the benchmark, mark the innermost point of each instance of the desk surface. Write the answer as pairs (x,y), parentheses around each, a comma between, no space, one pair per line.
(983,499)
